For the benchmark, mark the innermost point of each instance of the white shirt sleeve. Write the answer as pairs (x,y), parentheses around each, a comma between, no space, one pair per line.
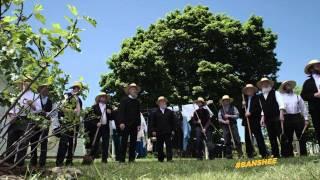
(303,108)
(236,113)
(280,101)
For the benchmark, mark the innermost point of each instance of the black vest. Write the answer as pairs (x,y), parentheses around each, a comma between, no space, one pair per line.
(229,111)
(270,105)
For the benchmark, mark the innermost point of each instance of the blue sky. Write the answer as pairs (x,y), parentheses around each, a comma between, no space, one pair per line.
(296,23)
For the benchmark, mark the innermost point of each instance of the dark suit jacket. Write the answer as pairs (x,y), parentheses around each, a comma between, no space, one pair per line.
(163,123)
(308,90)
(255,110)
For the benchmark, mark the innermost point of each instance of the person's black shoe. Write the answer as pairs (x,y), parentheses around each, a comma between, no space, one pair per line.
(105,161)
(69,163)
(170,160)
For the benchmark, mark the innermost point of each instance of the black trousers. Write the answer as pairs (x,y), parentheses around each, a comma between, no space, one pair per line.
(67,146)
(315,115)
(167,139)
(199,142)
(228,139)
(116,142)
(132,132)
(15,131)
(256,131)
(294,123)
(43,146)
(104,134)
(274,132)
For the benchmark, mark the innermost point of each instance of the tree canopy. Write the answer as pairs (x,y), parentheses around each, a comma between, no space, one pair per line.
(192,53)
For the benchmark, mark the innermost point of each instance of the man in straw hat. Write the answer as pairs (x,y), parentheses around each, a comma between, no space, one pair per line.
(227,116)
(46,107)
(295,118)
(272,112)
(69,116)
(20,123)
(200,119)
(98,127)
(162,126)
(130,121)
(253,115)
(311,94)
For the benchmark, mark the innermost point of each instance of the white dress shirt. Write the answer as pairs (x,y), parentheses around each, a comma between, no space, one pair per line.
(23,105)
(294,104)
(316,78)
(104,114)
(162,110)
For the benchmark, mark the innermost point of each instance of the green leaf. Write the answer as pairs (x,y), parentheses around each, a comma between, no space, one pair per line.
(73,10)
(40,18)
(68,19)
(90,20)
(37,8)
(58,30)
(9,18)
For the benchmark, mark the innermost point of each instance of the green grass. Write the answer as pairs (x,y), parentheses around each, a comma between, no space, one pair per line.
(292,168)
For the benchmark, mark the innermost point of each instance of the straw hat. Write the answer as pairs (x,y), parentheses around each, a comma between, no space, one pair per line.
(249,86)
(284,83)
(101,94)
(161,98)
(42,86)
(310,64)
(226,97)
(76,84)
(259,84)
(200,100)
(132,85)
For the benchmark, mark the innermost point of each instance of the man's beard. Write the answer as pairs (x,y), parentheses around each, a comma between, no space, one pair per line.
(134,96)
(266,90)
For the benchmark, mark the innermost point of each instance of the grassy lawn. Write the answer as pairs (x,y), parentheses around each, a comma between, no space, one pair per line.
(291,168)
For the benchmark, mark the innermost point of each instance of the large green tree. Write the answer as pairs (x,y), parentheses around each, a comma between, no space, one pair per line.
(193,53)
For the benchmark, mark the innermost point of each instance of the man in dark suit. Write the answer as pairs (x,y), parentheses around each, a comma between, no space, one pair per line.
(201,116)
(46,107)
(130,121)
(162,126)
(253,115)
(272,115)
(311,93)
(100,125)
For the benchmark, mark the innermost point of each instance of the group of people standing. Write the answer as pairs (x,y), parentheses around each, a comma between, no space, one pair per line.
(281,112)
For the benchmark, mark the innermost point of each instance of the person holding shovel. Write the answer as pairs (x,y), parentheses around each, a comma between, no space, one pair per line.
(295,118)
(162,126)
(69,118)
(201,122)
(227,116)
(99,126)
(251,121)
(272,115)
